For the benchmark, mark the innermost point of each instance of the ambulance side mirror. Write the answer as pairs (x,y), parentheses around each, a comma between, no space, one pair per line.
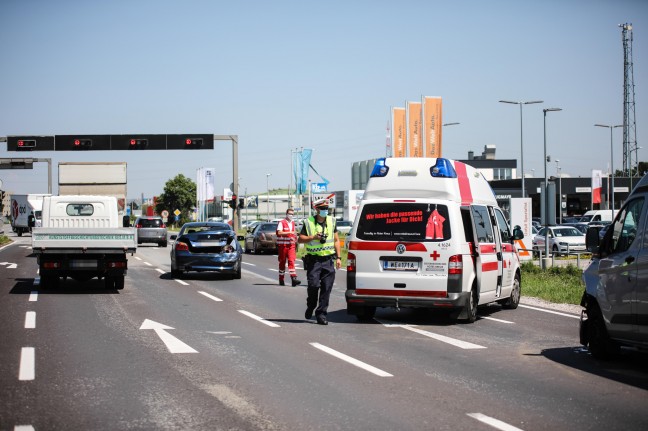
(517,233)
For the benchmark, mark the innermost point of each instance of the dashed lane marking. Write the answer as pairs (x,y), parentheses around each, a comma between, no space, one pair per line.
(452,341)
(352,361)
(212,297)
(259,319)
(181,282)
(27,369)
(495,423)
(496,320)
(33,295)
(30,320)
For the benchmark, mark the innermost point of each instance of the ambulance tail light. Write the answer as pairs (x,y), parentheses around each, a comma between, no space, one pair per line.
(351,262)
(442,169)
(455,264)
(380,169)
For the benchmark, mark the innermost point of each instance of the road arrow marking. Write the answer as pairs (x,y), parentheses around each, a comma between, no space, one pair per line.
(173,344)
(10,265)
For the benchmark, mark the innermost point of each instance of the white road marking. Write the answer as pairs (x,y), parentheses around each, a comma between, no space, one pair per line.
(24,428)
(573,316)
(161,271)
(138,258)
(219,332)
(10,265)
(438,337)
(352,361)
(495,423)
(33,296)
(146,263)
(30,320)
(181,282)
(496,320)
(248,263)
(27,369)
(273,269)
(260,319)
(173,344)
(210,296)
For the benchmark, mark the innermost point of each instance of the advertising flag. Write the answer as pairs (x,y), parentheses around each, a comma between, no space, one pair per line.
(432,126)
(301,165)
(398,132)
(414,143)
(597,186)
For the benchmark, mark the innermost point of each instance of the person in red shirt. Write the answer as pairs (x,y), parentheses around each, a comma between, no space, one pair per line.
(287,245)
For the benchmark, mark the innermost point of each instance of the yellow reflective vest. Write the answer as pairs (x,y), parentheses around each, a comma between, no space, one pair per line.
(315,247)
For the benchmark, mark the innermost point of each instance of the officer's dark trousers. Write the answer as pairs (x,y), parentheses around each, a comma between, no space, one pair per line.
(321,275)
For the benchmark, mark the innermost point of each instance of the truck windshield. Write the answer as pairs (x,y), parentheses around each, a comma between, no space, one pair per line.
(404,221)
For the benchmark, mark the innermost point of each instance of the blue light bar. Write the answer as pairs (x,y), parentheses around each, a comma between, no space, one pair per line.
(443,169)
(379,169)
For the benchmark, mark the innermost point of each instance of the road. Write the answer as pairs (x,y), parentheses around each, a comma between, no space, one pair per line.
(206,353)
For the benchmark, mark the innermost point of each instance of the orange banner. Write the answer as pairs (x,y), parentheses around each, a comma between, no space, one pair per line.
(399,126)
(432,126)
(414,143)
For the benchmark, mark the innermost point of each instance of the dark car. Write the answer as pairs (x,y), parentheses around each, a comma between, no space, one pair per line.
(580,226)
(206,246)
(263,237)
(151,229)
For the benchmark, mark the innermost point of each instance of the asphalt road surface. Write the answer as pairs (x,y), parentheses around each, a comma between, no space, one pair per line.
(209,353)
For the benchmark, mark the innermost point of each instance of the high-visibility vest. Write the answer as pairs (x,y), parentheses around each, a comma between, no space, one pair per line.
(315,247)
(287,226)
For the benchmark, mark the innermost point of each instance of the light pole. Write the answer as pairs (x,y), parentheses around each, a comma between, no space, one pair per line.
(268,201)
(546,186)
(521,137)
(611,160)
(559,172)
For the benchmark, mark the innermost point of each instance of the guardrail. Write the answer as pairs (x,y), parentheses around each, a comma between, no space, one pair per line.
(540,254)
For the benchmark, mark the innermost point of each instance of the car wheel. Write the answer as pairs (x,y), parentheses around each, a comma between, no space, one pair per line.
(511,303)
(600,345)
(163,244)
(237,275)
(555,250)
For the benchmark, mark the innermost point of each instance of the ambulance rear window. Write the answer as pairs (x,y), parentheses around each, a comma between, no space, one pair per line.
(404,221)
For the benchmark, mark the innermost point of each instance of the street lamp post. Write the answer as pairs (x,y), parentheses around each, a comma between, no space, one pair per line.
(559,172)
(268,191)
(521,137)
(611,192)
(546,187)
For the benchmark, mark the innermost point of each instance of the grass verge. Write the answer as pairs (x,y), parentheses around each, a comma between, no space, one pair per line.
(560,285)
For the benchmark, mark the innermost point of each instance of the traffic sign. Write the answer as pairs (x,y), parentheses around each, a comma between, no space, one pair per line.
(165,213)
(177,212)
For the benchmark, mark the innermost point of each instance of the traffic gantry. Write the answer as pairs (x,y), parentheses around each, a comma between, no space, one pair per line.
(111,142)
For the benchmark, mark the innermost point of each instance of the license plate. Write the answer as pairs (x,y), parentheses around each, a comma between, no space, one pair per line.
(209,243)
(396,265)
(83,264)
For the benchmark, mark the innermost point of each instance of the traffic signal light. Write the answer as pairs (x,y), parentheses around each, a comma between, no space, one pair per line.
(241,202)
(138,144)
(26,145)
(233,202)
(82,144)
(193,143)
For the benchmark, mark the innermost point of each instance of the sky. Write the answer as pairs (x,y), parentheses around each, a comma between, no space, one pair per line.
(284,75)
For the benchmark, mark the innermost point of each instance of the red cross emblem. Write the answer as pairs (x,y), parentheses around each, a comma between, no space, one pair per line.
(435,255)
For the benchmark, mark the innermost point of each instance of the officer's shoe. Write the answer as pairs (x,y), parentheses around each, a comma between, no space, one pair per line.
(321,320)
(281,283)
(309,313)
(295,282)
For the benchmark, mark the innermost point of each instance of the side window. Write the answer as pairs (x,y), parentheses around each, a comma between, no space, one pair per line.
(624,229)
(505,232)
(482,223)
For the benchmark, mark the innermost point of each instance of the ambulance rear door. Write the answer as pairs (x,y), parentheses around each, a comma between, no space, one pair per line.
(487,258)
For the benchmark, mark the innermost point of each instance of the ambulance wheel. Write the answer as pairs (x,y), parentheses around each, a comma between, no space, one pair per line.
(366,314)
(511,303)
(471,306)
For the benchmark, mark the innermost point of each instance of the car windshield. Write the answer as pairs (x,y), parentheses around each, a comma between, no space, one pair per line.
(567,231)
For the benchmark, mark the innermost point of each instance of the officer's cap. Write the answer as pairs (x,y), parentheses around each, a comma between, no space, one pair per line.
(321,203)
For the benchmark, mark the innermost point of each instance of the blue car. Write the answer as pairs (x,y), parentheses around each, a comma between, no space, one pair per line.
(206,246)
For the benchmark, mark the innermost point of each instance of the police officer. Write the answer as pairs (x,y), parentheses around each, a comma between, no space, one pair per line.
(320,235)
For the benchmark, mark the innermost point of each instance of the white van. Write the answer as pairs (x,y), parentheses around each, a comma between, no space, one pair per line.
(429,233)
(597,216)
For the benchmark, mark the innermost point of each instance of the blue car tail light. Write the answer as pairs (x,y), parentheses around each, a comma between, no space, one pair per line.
(380,169)
(443,169)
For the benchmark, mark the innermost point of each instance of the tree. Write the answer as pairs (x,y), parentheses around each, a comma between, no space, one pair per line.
(179,193)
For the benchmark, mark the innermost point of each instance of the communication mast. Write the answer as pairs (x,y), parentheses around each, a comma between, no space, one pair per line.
(629,120)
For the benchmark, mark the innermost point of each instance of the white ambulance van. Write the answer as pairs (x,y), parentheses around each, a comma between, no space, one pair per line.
(429,234)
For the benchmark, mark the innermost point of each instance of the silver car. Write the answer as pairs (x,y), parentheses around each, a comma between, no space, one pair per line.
(151,229)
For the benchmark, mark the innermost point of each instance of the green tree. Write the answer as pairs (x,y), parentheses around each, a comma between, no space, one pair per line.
(179,193)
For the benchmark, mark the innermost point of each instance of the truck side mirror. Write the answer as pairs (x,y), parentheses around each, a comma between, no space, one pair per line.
(31,220)
(126,221)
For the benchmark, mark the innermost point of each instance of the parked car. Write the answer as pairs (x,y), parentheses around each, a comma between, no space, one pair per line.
(344,226)
(151,229)
(206,246)
(580,226)
(262,238)
(562,239)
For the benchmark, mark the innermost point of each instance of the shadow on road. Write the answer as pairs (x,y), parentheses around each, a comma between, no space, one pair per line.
(25,286)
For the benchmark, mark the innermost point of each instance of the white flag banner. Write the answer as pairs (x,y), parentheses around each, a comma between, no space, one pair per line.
(205,184)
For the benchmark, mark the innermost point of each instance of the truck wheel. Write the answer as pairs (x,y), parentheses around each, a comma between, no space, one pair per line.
(119,282)
(19,232)
(163,244)
(511,303)
(600,344)
(49,281)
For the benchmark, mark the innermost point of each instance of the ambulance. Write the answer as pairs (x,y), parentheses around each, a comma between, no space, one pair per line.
(429,234)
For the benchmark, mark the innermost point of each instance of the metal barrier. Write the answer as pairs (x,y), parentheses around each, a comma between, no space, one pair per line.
(540,253)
